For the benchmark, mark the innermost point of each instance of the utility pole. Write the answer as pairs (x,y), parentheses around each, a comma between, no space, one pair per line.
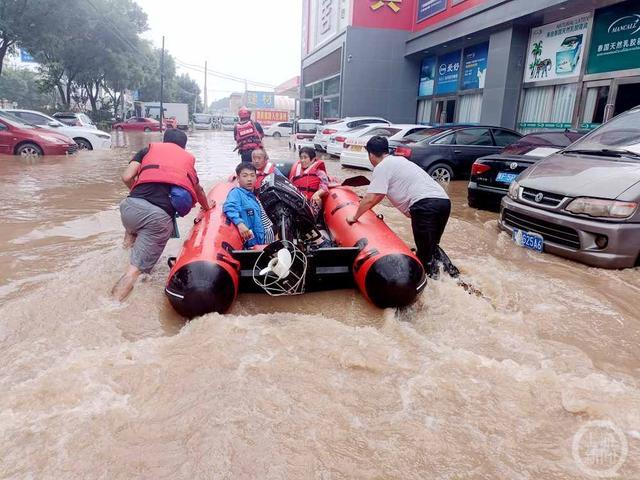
(206,105)
(162,86)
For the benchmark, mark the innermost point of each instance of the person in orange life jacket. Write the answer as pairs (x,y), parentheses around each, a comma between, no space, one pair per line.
(245,211)
(310,177)
(264,167)
(162,180)
(248,134)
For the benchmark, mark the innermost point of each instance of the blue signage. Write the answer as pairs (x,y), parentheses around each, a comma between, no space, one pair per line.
(428,8)
(427,77)
(448,72)
(26,57)
(261,100)
(475,66)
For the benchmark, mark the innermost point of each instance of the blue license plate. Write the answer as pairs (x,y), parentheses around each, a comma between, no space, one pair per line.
(506,177)
(530,240)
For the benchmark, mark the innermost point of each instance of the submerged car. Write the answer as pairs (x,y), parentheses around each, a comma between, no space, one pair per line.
(582,202)
(19,138)
(278,129)
(86,138)
(203,121)
(74,119)
(354,153)
(447,153)
(322,136)
(138,124)
(492,175)
(304,129)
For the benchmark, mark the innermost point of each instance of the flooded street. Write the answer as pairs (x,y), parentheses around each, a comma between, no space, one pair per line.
(323,386)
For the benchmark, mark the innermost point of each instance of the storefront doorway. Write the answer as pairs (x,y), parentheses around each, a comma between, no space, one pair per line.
(445,110)
(627,95)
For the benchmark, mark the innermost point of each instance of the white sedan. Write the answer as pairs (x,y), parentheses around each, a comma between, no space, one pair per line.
(277,130)
(336,140)
(354,153)
(86,138)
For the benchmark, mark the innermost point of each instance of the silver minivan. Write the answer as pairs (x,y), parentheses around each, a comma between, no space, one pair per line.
(582,202)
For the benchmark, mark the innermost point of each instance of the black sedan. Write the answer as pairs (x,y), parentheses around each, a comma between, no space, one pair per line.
(447,153)
(492,175)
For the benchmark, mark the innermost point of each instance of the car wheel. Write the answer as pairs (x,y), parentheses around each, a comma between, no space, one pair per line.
(276,135)
(441,172)
(83,144)
(29,150)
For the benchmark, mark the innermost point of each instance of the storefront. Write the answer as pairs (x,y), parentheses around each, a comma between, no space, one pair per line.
(451,86)
(568,84)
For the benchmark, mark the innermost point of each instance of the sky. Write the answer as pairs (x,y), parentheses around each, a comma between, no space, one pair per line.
(254,39)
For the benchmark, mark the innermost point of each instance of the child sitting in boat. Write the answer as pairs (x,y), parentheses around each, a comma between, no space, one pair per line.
(245,211)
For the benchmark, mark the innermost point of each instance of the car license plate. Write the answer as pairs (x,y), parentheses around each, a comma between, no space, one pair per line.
(506,177)
(356,148)
(530,240)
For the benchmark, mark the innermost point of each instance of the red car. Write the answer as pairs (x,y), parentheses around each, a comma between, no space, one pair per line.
(138,124)
(17,138)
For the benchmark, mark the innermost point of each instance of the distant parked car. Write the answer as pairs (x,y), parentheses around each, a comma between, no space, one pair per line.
(583,202)
(337,139)
(138,124)
(277,130)
(354,153)
(203,121)
(227,124)
(18,138)
(322,136)
(447,153)
(304,129)
(492,175)
(86,138)
(75,119)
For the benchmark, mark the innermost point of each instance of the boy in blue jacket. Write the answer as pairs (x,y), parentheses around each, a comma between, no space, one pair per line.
(243,209)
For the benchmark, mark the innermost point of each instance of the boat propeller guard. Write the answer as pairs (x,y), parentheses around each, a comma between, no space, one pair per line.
(281,269)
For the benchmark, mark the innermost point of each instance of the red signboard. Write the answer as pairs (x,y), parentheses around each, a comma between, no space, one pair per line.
(392,14)
(267,117)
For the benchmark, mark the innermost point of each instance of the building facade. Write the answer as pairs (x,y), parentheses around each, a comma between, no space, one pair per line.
(530,65)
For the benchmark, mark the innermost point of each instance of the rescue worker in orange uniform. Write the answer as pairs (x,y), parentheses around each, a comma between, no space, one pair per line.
(163,183)
(248,134)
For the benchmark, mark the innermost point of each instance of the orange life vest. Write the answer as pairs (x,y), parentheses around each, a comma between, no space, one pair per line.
(247,136)
(171,164)
(308,181)
(268,169)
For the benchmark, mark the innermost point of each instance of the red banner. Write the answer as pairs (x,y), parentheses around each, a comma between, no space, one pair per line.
(271,116)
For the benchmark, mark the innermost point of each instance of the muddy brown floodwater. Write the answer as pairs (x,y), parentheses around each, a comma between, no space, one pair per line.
(511,385)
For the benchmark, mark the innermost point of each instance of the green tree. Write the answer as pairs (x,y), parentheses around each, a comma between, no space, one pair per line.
(21,86)
(28,24)
(187,91)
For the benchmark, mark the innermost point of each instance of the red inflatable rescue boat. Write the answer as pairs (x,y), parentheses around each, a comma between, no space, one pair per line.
(213,267)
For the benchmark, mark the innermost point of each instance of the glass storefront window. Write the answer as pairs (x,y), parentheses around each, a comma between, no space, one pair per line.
(317,89)
(424,111)
(331,107)
(470,108)
(308,92)
(547,108)
(332,86)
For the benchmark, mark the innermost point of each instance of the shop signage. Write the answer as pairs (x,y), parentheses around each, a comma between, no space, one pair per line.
(543,125)
(475,66)
(394,5)
(615,40)
(270,116)
(26,57)
(589,126)
(556,50)
(427,76)
(260,99)
(429,8)
(448,72)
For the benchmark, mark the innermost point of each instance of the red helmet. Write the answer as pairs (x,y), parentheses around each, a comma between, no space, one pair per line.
(244,113)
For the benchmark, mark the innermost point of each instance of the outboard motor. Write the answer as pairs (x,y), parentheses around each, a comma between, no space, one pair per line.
(287,208)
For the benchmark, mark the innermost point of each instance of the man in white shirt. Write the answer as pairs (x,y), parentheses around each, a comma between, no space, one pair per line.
(412,191)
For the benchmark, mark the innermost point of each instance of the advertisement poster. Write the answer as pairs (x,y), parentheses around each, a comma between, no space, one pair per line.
(556,50)
(427,76)
(260,100)
(428,8)
(448,72)
(26,57)
(615,39)
(475,66)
